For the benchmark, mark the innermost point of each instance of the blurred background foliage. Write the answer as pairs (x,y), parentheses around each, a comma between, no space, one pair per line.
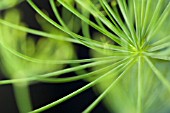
(4,4)
(42,48)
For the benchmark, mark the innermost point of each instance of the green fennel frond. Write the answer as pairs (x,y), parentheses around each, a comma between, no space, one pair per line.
(129,51)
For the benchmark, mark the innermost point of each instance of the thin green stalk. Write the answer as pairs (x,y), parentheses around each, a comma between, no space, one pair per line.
(31,59)
(85,41)
(99,15)
(22,96)
(143,11)
(79,67)
(48,35)
(118,20)
(158,56)
(98,44)
(81,76)
(100,24)
(75,92)
(85,26)
(137,19)
(154,16)
(92,106)
(95,11)
(58,72)
(158,74)
(104,31)
(128,22)
(139,99)
(39,33)
(161,41)
(108,14)
(146,17)
(54,8)
(160,21)
(159,47)
(59,37)
(82,39)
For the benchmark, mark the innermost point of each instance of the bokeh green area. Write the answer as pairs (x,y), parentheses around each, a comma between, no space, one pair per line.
(19,51)
(42,48)
(4,4)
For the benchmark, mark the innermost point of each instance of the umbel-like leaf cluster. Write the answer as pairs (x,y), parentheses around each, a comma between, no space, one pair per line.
(129,51)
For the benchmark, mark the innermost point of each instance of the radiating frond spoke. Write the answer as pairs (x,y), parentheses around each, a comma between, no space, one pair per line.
(82,39)
(139,99)
(90,22)
(143,11)
(83,76)
(128,22)
(108,13)
(159,47)
(75,92)
(93,10)
(91,107)
(161,41)
(146,17)
(137,17)
(158,56)
(60,72)
(53,6)
(155,15)
(118,20)
(160,21)
(35,60)
(39,33)
(158,74)
(104,31)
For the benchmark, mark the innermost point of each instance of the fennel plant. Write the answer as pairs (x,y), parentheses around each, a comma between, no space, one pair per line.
(129,49)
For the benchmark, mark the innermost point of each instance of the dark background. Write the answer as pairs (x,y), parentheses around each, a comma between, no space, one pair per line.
(44,93)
